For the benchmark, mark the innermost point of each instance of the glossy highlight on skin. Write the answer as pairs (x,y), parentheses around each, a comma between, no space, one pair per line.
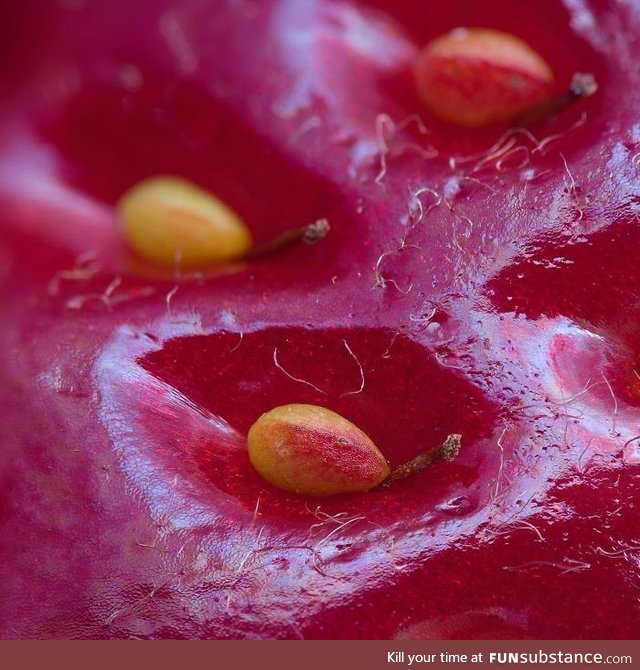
(472,283)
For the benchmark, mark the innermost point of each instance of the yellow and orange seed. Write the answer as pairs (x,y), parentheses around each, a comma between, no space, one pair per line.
(312,450)
(168,220)
(477,77)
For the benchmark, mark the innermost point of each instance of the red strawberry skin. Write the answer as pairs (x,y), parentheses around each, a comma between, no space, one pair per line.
(460,290)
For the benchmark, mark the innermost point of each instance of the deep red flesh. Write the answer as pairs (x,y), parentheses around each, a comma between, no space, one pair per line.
(507,313)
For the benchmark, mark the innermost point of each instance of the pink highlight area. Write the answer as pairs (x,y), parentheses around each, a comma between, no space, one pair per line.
(37,202)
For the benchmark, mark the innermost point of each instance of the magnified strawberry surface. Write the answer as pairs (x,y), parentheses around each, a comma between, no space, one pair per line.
(474,281)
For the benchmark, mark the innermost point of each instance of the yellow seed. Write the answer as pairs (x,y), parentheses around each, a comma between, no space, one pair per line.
(476,77)
(168,220)
(311,450)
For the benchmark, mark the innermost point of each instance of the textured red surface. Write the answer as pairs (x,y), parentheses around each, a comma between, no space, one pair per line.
(492,297)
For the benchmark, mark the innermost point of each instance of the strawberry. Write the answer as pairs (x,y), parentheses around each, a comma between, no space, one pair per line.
(474,281)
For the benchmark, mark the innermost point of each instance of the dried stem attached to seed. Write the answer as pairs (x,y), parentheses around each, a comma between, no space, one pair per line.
(447,451)
(310,234)
(583,85)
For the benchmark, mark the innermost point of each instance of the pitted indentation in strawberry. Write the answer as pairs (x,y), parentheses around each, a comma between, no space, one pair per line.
(366,375)
(362,373)
(594,276)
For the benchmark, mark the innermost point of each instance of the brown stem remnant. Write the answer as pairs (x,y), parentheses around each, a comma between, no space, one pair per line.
(583,85)
(447,451)
(310,234)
